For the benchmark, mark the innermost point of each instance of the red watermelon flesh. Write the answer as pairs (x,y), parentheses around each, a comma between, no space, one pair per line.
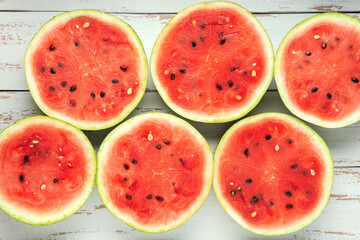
(86,68)
(46,168)
(211,61)
(318,70)
(272,174)
(154,174)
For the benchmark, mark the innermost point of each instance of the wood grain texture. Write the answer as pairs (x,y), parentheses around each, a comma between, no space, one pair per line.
(174,6)
(17,29)
(339,221)
(343,143)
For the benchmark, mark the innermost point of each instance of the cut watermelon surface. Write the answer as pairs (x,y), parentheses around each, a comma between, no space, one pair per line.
(272,174)
(154,172)
(212,62)
(47,170)
(87,68)
(317,70)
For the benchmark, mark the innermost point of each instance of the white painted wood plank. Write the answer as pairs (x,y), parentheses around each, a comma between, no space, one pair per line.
(17,29)
(174,6)
(343,142)
(339,221)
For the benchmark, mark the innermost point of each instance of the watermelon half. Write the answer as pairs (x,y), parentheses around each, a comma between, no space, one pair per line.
(273,174)
(87,68)
(317,70)
(47,170)
(212,62)
(154,172)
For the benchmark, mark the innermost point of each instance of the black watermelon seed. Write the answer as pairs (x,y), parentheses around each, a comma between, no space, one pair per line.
(182,71)
(337,39)
(329,96)
(56,180)
(233,69)
(249,180)
(126,166)
(288,193)
(167,142)
(180,160)
(158,146)
(289,206)
(76,43)
(125,180)
(289,141)
(323,45)
(52,70)
(26,158)
(72,103)
(193,44)
(52,47)
(230,83)
(160,199)
(133,161)
(102,94)
(124,68)
(128,197)
(42,69)
(233,192)
(355,80)
(351,47)
(254,200)
(47,153)
(173,184)
(92,95)
(61,64)
(21,178)
(202,39)
(271,203)
(222,41)
(314,90)
(72,88)
(308,53)
(244,73)
(203,25)
(149,196)
(115,81)
(51,88)
(219,87)
(63,84)
(246,152)
(308,191)
(294,166)
(268,137)
(172,76)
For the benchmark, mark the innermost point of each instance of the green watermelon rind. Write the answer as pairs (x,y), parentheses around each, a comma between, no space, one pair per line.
(223,116)
(278,73)
(328,181)
(26,217)
(127,126)
(83,124)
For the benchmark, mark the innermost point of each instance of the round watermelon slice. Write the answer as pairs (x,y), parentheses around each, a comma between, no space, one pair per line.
(272,174)
(154,172)
(212,62)
(87,68)
(47,170)
(317,70)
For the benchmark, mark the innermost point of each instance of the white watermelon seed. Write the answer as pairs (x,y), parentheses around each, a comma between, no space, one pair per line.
(238,97)
(293,52)
(194,23)
(43,186)
(32,146)
(254,64)
(231,183)
(86,25)
(150,137)
(77,26)
(180,90)
(312,172)
(253,73)
(166,72)
(316,36)
(69,164)
(129,91)
(227,19)
(35,141)
(253,214)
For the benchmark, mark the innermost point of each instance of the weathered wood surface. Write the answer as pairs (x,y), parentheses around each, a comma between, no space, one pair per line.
(17,29)
(174,6)
(20,20)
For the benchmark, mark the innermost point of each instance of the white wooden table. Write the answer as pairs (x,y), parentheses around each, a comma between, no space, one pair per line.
(20,20)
